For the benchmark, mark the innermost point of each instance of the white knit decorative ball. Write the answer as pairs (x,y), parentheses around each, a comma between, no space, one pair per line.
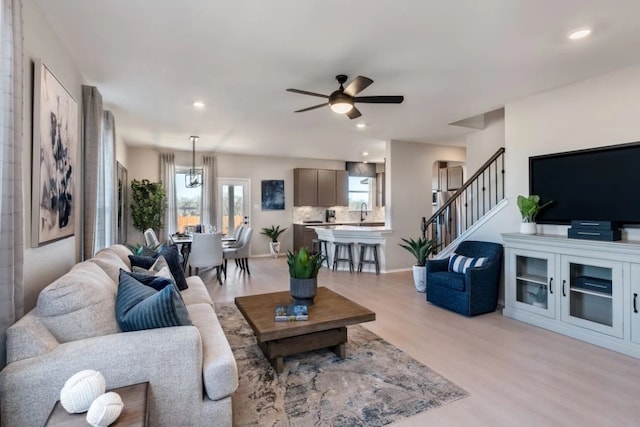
(105,410)
(82,389)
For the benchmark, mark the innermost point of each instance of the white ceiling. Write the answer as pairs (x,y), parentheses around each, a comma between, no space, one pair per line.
(451,60)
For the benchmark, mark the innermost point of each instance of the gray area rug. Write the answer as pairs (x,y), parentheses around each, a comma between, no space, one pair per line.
(376,384)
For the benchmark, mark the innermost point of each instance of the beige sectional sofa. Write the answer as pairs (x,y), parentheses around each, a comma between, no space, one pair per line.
(191,370)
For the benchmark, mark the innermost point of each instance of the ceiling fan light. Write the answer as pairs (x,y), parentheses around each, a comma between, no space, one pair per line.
(341,107)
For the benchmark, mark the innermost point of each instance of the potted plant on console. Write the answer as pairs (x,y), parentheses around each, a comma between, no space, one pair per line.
(273,233)
(529,208)
(421,249)
(303,272)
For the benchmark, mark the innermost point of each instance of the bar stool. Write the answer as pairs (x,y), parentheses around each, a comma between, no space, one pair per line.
(363,252)
(316,247)
(336,256)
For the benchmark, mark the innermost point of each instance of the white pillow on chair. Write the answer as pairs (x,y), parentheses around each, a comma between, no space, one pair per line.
(460,263)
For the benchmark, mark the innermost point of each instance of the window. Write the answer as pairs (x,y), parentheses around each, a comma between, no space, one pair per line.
(188,201)
(361,190)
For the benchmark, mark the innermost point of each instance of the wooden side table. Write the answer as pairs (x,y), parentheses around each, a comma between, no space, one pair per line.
(134,413)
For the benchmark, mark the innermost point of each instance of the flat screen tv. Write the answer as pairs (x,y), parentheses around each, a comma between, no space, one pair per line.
(594,184)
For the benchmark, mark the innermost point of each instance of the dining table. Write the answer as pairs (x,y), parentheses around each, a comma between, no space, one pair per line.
(184,241)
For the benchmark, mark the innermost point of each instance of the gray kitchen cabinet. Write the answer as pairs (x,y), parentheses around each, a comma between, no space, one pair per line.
(320,187)
(305,187)
(303,236)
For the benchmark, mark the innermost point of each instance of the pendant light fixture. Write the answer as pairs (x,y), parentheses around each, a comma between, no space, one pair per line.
(193,178)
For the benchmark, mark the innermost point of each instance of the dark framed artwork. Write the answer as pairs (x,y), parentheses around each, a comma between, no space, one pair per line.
(273,195)
(55,146)
(123,203)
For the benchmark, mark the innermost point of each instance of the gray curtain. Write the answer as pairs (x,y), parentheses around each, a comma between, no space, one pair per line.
(92,117)
(107,196)
(168,178)
(11,140)
(208,205)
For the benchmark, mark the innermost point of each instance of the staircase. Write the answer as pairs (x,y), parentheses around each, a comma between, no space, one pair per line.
(478,198)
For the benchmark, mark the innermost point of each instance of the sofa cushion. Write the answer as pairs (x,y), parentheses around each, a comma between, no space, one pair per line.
(141,307)
(110,262)
(123,252)
(197,292)
(80,304)
(460,263)
(29,338)
(448,279)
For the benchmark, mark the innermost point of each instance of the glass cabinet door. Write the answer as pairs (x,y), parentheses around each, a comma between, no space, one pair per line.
(592,294)
(635,303)
(534,288)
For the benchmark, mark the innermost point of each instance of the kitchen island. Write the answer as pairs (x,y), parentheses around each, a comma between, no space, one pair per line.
(357,235)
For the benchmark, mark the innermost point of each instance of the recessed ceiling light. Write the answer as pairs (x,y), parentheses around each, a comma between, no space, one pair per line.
(579,33)
(361,125)
(198,104)
(365,153)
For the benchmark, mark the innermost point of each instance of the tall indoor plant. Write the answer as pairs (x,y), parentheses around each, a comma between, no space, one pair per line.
(273,233)
(147,204)
(529,208)
(303,272)
(421,249)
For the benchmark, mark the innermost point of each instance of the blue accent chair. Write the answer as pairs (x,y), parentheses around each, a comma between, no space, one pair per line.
(471,293)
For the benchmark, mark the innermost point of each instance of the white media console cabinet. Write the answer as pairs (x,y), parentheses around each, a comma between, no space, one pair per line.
(588,290)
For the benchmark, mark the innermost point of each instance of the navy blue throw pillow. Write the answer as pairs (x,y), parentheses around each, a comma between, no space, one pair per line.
(141,261)
(156,282)
(140,307)
(171,254)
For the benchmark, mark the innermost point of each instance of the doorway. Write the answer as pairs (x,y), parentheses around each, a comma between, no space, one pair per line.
(234,203)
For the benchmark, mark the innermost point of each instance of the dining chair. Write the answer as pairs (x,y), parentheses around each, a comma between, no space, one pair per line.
(240,252)
(150,237)
(206,252)
(237,235)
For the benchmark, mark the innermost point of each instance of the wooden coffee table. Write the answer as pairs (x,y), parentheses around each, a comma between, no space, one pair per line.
(326,328)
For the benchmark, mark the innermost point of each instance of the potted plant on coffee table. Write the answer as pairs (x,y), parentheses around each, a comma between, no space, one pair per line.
(529,207)
(303,272)
(273,233)
(421,249)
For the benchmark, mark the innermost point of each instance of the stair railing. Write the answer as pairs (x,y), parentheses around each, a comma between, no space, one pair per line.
(477,196)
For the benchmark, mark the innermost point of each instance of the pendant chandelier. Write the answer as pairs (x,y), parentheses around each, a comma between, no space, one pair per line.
(193,178)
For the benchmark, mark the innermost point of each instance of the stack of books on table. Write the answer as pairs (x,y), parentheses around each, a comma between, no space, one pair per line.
(291,313)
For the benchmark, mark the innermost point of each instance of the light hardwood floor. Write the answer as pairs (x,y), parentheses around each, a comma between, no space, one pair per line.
(516,374)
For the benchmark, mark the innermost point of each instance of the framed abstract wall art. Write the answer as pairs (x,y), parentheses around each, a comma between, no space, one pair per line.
(55,147)
(273,195)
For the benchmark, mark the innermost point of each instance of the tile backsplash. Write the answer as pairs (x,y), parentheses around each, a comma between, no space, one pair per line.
(343,214)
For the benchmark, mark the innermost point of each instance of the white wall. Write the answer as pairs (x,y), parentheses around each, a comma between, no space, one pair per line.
(44,264)
(484,143)
(593,113)
(144,163)
(409,173)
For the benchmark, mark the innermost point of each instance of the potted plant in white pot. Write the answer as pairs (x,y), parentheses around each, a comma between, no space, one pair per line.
(529,208)
(273,233)
(303,272)
(421,249)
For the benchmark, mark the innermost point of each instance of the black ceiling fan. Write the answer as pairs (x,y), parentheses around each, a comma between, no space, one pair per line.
(342,100)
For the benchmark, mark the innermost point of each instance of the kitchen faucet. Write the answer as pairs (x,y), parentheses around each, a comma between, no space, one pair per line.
(363,212)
